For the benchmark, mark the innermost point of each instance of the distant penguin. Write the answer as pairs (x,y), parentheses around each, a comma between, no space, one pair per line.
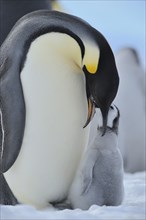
(55,4)
(131,101)
(12,10)
(54,70)
(99,179)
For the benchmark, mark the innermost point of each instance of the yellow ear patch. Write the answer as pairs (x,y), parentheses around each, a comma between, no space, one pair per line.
(92,68)
(91,57)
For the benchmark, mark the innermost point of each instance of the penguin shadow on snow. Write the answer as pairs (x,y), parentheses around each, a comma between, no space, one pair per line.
(99,179)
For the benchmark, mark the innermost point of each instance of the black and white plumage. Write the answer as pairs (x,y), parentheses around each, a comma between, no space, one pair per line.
(54,68)
(99,179)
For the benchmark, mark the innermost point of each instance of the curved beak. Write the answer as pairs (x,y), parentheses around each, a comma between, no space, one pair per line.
(91,111)
(104,112)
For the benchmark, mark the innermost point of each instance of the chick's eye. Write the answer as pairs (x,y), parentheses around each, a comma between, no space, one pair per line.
(111,107)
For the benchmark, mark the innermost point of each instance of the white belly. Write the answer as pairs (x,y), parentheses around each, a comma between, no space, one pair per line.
(54,138)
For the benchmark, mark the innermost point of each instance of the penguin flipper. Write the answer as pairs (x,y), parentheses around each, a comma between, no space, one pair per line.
(6,195)
(12,112)
(88,169)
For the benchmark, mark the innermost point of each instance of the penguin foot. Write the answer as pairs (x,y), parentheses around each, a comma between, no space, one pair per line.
(61,205)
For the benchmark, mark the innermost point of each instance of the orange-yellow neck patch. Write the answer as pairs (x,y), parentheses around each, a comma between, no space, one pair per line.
(91,57)
(92,68)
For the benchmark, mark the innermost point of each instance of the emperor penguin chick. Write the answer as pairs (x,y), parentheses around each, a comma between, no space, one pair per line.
(99,179)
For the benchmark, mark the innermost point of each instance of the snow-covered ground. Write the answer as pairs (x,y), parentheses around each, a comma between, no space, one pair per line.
(133,206)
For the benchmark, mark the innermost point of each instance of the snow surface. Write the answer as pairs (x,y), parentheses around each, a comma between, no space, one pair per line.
(133,206)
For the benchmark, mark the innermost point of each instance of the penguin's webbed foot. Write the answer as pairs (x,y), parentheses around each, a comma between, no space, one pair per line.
(61,205)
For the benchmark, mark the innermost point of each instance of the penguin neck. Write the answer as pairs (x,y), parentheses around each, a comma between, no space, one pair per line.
(61,47)
(107,142)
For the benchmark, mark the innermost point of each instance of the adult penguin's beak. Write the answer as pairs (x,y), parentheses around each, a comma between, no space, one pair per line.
(91,110)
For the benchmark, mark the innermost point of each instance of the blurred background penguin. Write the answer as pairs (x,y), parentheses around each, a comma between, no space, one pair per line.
(55,4)
(12,10)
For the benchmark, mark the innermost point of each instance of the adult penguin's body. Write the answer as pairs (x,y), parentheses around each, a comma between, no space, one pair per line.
(44,106)
(12,10)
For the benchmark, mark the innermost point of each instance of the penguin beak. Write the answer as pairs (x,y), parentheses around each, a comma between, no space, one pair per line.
(91,111)
(104,112)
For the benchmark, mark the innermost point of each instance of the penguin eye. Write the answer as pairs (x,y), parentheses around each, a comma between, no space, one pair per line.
(111,107)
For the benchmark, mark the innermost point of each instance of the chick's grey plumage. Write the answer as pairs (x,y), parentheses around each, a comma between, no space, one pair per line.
(99,179)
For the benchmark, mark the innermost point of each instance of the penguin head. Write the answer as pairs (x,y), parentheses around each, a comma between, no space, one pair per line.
(102,78)
(112,120)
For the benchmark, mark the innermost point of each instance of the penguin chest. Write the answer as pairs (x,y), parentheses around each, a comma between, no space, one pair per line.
(54,138)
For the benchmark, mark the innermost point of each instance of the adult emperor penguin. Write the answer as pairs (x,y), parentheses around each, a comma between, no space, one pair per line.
(99,179)
(54,67)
